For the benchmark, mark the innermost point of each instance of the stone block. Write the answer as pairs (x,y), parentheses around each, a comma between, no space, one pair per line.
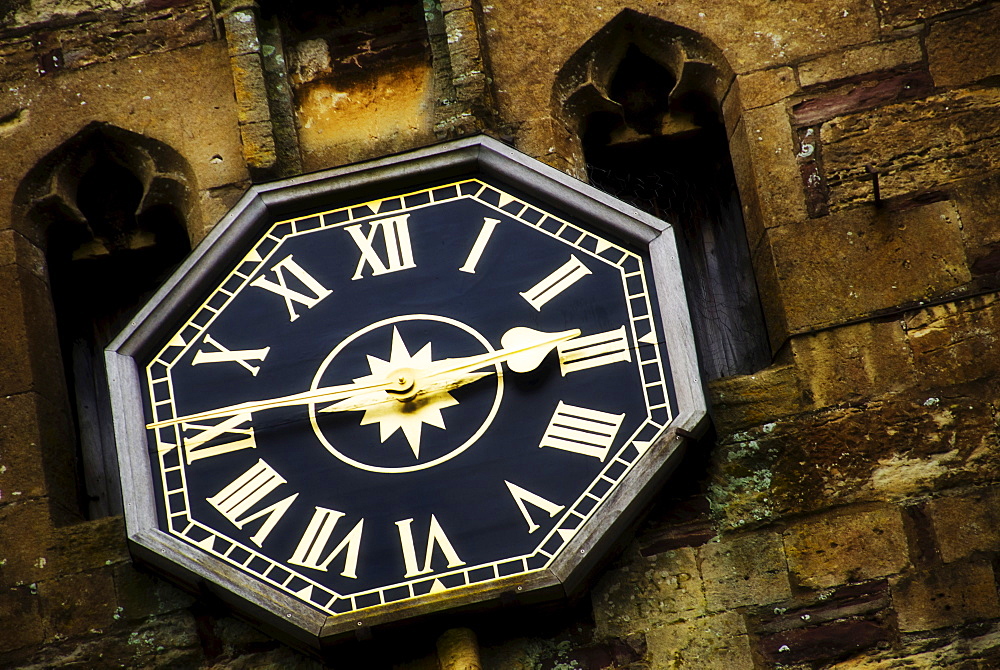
(258,144)
(966,523)
(78,604)
(966,48)
(241,32)
(860,60)
(916,145)
(716,642)
(142,595)
(825,267)
(22,621)
(742,401)
(744,570)
(766,87)
(846,546)
(648,592)
(823,643)
(88,545)
(857,601)
(21,470)
(29,349)
(898,13)
(862,93)
(952,594)
(978,201)
(953,342)
(770,158)
(25,537)
(251,91)
(853,363)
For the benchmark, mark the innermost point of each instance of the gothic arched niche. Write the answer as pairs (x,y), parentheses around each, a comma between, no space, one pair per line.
(643,99)
(108,208)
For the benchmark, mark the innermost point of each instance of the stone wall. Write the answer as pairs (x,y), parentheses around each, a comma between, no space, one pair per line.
(844,512)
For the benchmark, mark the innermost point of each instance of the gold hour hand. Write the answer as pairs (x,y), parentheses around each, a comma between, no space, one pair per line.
(308,397)
(523,349)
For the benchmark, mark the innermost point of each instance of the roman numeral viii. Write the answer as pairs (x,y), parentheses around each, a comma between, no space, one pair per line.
(246,492)
(395,234)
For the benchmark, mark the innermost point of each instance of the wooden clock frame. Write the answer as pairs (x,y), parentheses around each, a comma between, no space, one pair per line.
(283,616)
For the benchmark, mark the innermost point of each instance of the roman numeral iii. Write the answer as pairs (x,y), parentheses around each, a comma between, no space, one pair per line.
(395,234)
(290,296)
(246,492)
(583,431)
(309,552)
(565,276)
(591,351)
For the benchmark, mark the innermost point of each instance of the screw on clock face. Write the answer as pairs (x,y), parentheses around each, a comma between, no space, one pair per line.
(523,349)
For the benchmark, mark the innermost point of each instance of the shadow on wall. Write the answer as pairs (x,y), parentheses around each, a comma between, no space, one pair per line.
(643,97)
(108,209)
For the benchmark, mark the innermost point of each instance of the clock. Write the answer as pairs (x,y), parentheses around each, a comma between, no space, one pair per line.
(372,393)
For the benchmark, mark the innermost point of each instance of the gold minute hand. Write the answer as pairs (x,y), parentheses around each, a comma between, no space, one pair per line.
(317,395)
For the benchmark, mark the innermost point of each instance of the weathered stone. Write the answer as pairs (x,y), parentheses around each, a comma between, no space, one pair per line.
(28,347)
(22,473)
(861,60)
(251,91)
(25,533)
(742,401)
(915,145)
(163,642)
(866,600)
(952,342)
(716,642)
(78,604)
(966,523)
(23,625)
(873,451)
(949,595)
(88,545)
(258,144)
(853,363)
(846,546)
(141,595)
(744,570)
(966,48)
(771,160)
(862,94)
(827,642)
(825,267)
(766,87)
(647,593)
(903,12)
(241,32)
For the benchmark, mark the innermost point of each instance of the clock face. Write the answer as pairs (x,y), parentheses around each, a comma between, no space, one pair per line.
(406,396)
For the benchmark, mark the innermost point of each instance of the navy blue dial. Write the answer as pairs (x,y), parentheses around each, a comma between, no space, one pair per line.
(421,393)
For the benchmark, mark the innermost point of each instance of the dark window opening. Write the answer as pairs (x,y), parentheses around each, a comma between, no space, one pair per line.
(102,268)
(667,154)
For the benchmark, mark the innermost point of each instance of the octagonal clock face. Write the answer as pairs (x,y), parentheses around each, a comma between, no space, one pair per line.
(405,396)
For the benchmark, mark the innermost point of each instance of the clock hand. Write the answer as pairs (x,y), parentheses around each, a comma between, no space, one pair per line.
(523,351)
(308,397)
(376,398)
